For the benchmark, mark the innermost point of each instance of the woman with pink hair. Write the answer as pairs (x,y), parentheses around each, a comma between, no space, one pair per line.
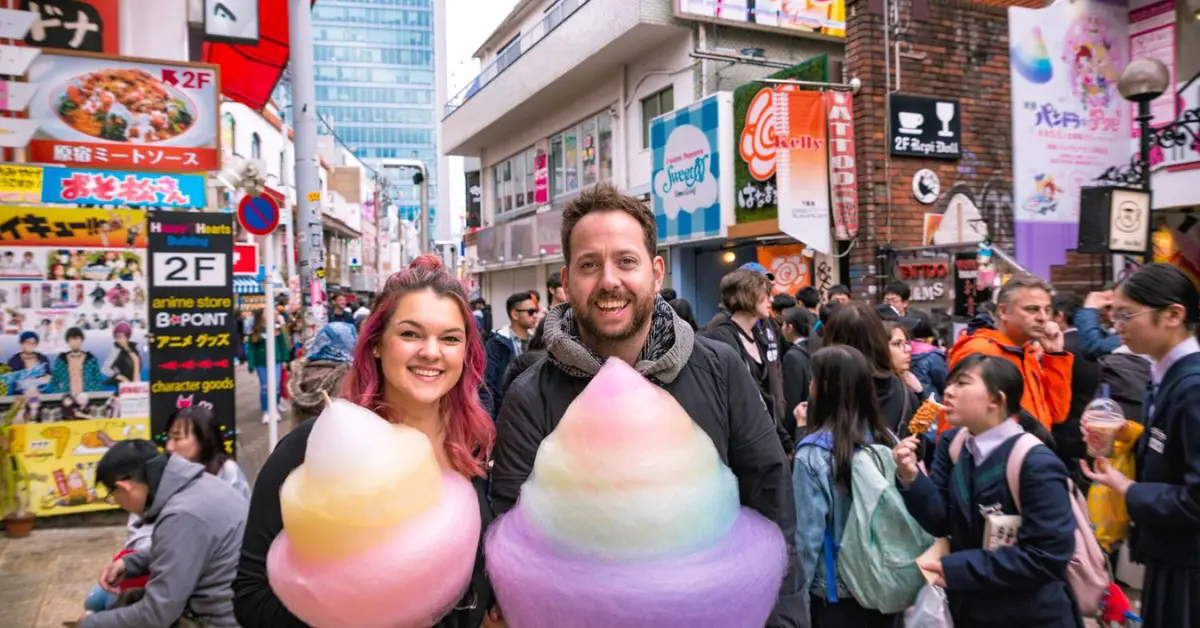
(419,362)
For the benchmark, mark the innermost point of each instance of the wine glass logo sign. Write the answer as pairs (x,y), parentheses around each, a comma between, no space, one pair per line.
(945,113)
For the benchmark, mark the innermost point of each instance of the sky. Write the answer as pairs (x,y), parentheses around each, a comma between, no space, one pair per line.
(468,23)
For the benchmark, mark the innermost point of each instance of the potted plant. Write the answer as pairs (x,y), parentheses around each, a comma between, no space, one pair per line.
(18,516)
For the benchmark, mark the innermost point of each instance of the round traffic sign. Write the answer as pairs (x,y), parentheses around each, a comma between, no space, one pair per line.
(258,214)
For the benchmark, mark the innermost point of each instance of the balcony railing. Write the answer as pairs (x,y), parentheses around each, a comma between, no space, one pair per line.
(556,15)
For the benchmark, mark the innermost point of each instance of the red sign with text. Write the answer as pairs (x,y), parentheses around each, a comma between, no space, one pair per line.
(245,259)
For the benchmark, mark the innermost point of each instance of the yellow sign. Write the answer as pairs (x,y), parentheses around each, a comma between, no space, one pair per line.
(61,458)
(20,184)
(314,196)
(72,227)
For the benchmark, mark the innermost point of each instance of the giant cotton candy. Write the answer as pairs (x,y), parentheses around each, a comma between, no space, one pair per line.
(631,519)
(375,534)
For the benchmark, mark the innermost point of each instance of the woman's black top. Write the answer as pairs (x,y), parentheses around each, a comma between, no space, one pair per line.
(255,604)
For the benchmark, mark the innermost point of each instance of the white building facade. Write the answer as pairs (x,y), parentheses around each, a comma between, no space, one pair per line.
(565,101)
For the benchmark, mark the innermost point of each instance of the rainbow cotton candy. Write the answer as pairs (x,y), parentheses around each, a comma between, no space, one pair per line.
(631,519)
(375,535)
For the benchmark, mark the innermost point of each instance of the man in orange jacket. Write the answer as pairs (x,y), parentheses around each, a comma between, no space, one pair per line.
(1026,335)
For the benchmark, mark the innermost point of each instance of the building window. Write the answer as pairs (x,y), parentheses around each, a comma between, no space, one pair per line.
(255,146)
(582,155)
(530,186)
(653,106)
(509,53)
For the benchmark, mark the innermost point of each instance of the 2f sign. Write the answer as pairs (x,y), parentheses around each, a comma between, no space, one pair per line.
(202,270)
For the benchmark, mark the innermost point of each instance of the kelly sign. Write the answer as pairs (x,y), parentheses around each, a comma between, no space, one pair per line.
(134,189)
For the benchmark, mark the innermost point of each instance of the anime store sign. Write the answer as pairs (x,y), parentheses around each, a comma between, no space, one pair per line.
(72,344)
(191,300)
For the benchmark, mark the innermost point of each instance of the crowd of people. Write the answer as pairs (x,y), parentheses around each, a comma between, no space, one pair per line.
(795,391)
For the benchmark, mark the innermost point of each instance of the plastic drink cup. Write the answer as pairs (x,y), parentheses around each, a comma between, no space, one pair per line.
(1102,429)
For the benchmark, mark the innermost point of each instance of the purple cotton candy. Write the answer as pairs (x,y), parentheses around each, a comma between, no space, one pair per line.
(733,584)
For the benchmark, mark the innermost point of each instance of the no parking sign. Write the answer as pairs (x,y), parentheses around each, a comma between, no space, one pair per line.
(258,214)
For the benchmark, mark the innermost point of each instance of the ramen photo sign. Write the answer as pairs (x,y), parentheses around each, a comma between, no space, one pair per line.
(120,113)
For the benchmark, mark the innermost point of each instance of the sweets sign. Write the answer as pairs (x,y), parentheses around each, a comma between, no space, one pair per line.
(191,295)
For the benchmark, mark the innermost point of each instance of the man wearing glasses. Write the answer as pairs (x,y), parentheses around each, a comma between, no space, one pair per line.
(198,523)
(508,343)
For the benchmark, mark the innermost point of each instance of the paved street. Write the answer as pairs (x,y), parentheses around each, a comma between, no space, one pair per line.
(44,578)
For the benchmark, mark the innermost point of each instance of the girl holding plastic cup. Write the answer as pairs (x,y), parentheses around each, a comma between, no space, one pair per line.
(1157,310)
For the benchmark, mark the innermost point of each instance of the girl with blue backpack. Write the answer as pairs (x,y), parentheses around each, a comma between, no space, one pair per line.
(1009,553)
(843,418)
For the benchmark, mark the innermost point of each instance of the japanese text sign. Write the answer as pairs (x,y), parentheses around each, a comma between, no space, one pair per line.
(20,184)
(83,25)
(122,188)
(191,295)
(124,113)
(72,227)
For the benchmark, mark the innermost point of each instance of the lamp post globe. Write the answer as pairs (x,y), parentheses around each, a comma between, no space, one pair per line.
(1143,80)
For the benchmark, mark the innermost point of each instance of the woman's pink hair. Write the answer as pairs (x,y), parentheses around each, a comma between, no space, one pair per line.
(469,429)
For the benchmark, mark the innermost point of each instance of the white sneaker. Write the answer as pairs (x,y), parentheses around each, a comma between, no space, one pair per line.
(266,418)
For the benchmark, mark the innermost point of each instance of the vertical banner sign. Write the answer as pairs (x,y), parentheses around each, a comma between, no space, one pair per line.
(843,176)
(191,305)
(1069,122)
(802,167)
(541,173)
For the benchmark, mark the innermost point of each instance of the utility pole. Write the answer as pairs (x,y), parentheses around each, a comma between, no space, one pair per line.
(309,233)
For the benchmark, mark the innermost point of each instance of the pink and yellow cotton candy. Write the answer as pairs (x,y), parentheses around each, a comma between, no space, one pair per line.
(375,534)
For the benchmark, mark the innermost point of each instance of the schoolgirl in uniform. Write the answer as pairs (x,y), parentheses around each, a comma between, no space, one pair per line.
(1016,585)
(1157,310)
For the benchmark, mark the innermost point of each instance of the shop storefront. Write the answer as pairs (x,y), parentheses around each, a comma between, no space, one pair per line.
(516,256)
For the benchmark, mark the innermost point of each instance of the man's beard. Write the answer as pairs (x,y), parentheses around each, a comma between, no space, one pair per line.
(641,308)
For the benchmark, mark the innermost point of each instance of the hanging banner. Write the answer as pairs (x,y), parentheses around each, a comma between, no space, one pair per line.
(541,172)
(692,156)
(191,298)
(125,113)
(791,268)
(1069,123)
(802,167)
(843,172)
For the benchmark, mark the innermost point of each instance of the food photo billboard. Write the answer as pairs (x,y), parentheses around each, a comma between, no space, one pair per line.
(123,113)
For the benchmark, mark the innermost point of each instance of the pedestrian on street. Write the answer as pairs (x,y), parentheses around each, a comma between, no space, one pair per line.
(256,358)
(842,418)
(743,323)
(198,522)
(856,324)
(420,325)
(321,370)
(1157,311)
(1025,334)
(508,343)
(612,280)
(993,585)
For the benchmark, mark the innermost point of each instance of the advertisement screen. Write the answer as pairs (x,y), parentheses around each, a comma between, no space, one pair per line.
(812,17)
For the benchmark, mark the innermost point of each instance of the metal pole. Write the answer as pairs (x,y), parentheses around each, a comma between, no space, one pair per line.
(309,231)
(1143,119)
(425,235)
(268,241)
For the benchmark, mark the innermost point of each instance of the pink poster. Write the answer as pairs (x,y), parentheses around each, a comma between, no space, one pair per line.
(541,173)
(1152,35)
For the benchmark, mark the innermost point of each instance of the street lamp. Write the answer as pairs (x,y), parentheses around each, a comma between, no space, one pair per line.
(1142,81)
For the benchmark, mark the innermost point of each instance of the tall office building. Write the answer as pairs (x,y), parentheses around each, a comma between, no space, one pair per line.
(375,85)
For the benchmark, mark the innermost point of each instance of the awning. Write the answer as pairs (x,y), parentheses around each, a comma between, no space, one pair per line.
(249,73)
(247,285)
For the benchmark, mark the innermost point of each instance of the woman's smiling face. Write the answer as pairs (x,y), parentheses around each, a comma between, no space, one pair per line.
(423,348)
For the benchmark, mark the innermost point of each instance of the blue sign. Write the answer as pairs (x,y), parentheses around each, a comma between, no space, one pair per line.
(693,170)
(134,189)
